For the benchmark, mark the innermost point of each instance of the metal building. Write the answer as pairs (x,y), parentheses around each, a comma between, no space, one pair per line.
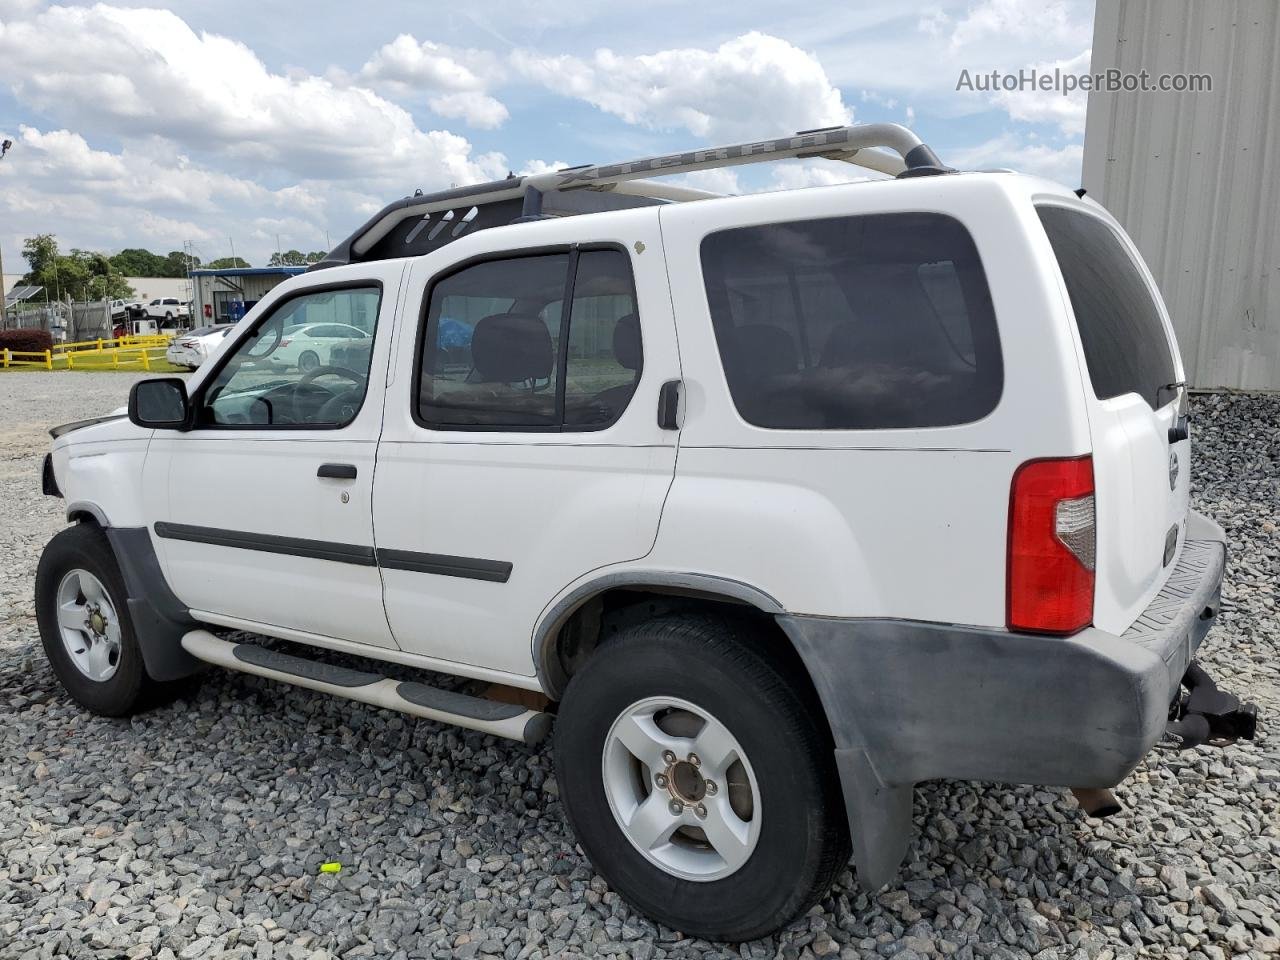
(218,296)
(1195,177)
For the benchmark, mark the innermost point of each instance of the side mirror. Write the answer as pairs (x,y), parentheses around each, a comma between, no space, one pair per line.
(159,404)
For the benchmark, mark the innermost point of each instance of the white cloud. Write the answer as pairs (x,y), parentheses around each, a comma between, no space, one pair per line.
(534,167)
(1050,106)
(1004,20)
(151,75)
(752,86)
(1061,164)
(455,81)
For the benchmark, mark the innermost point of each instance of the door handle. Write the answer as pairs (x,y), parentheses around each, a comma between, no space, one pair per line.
(337,471)
(668,403)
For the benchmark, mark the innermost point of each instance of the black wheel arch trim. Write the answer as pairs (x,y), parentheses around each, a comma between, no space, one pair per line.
(680,583)
(159,618)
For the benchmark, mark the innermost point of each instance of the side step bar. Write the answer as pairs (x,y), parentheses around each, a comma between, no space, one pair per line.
(419,699)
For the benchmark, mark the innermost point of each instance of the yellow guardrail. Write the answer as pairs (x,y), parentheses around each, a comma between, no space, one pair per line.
(103,353)
(45,358)
(114,357)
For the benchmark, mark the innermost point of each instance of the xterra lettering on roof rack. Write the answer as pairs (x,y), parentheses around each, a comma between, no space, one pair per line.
(425,222)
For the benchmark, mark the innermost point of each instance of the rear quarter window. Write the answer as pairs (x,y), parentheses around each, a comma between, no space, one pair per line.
(867,322)
(1125,345)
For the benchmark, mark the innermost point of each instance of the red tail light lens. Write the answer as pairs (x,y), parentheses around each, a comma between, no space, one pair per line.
(285,342)
(1052,536)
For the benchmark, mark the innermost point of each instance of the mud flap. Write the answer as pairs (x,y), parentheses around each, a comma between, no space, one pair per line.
(879,818)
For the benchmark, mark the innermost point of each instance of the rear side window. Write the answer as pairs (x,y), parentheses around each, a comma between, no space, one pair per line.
(546,342)
(1125,345)
(854,323)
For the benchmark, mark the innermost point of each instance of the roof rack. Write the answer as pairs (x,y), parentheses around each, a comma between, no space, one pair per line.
(426,222)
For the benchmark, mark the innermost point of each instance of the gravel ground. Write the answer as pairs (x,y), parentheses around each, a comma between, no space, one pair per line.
(197,830)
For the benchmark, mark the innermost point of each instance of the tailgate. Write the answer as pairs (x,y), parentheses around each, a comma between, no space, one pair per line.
(1135,403)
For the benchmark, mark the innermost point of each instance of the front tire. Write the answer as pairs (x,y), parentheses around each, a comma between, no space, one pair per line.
(308,360)
(85,626)
(699,778)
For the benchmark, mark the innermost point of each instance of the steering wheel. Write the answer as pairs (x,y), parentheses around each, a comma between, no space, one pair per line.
(346,374)
(332,410)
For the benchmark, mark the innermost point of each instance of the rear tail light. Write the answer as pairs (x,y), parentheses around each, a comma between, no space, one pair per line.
(1052,544)
(284,342)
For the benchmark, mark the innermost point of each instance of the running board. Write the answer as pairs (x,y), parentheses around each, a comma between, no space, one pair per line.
(419,699)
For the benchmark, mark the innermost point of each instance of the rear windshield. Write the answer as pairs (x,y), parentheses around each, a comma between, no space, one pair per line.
(868,322)
(1125,346)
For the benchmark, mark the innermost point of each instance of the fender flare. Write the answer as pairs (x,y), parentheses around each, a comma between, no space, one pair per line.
(704,585)
(159,618)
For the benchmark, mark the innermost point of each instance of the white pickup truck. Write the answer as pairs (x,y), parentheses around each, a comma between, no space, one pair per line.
(168,310)
(779,504)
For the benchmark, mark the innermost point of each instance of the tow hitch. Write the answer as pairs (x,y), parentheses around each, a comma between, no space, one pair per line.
(1203,714)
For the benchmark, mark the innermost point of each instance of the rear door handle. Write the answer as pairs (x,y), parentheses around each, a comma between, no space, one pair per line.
(337,471)
(668,405)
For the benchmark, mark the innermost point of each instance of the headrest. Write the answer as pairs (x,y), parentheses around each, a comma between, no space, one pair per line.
(626,341)
(512,348)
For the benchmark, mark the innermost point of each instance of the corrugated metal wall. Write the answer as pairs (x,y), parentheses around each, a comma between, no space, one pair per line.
(1194,177)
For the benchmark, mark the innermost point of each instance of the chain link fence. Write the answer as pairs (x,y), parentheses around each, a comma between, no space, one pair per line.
(65,322)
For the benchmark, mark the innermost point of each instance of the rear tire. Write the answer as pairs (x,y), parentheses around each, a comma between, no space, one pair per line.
(776,809)
(308,360)
(79,562)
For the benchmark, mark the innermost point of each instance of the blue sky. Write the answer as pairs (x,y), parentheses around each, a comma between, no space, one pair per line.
(240,121)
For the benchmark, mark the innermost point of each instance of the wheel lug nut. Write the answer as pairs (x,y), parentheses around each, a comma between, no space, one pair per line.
(701,811)
(711,788)
(693,758)
(668,756)
(660,779)
(676,808)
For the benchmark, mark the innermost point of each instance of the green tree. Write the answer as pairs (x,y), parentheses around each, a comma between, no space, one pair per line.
(227,263)
(80,275)
(175,264)
(295,258)
(136,262)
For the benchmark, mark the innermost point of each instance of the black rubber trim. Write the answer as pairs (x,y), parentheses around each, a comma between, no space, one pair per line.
(301,667)
(159,618)
(64,428)
(459,704)
(269,543)
(471,568)
(48,482)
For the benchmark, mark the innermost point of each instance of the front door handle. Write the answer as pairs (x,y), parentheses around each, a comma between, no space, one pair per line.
(337,471)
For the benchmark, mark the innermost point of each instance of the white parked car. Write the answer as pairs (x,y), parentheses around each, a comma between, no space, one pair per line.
(928,518)
(193,348)
(307,346)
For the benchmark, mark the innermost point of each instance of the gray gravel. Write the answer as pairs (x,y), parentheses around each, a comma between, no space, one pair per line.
(197,830)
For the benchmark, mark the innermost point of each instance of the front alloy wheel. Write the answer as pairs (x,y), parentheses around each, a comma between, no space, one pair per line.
(85,624)
(89,625)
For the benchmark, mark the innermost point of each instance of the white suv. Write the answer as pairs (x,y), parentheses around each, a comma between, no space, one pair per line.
(779,503)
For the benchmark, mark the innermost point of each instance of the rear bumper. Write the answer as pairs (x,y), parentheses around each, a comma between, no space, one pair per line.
(911,701)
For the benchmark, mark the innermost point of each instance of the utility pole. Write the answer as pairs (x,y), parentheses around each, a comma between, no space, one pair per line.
(5,146)
(232,241)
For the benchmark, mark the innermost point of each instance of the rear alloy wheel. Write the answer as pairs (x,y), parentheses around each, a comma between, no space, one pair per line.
(682,789)
(699,777)
(308,361)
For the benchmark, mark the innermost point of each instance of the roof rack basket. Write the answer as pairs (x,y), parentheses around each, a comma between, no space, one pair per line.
(425,222)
